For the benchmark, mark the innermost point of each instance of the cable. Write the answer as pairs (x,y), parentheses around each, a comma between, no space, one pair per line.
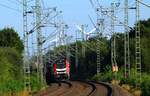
(22,2)
(13,2)
(144,4)
(92,4)
(19,1)
(10,8)
(43,4)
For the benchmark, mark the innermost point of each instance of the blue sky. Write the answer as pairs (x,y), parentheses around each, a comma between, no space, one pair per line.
(74,12)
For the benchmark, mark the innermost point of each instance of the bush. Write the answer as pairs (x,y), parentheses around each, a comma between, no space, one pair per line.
(108,75)
(35,84)
(131,80)
(10,64)
(10,38)
(11,86)
(11,78)
(145,85)
(104,77)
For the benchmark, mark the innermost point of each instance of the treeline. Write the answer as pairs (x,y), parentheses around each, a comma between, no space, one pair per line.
(11,64)
(87,64)
(86,67)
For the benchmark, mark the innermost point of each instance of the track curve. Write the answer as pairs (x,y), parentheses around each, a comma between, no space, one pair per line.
(75,88)
(102,89)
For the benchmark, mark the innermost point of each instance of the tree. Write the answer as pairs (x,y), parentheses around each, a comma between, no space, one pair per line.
(10,38)
(11,65)
(145,46)
(10,70)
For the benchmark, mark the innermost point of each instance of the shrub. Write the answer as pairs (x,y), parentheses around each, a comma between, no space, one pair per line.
(11,79)
(35,84)
(104,77)
(11,86)
(131,80)
(145,85)
(108,75)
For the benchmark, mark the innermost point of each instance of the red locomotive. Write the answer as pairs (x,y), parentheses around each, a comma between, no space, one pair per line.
(62,70)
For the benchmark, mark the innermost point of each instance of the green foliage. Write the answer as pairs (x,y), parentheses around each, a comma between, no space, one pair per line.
(11,47)
(145,46)
(131,80)
(10,70)
(10,38)
(104,77)
(35,84)
(11,85)
(108,75)
(145,55)
(87,65)
(145,85)
(120,49)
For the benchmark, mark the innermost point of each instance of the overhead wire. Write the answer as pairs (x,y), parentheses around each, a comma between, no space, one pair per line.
(12,1)
(144,4)
(14,9)
(43,4)
(5,6)
(19,2)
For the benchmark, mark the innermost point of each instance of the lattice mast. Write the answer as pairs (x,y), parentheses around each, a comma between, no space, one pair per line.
(99,30)
(98,54)
(137,42)
(76,51)
(26,63)
(83,48)
(39,41)
(83,41)
(61,34)
(98,43)
(126,41)
(113,39)
(67,40)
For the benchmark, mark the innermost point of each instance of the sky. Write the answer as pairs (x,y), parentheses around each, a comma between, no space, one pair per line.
(75,12)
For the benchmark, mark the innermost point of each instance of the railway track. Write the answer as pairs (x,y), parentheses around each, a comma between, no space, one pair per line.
(93,87)
(54,87)
(102,89)
(77,88)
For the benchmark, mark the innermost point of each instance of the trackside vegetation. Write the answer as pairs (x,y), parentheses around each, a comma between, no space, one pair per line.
(11,61)
(11,64)
(86,67)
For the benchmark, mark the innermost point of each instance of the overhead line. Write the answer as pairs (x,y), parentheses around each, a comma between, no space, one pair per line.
(92,4)
(144,4)
(19,2)
(10,8)
(43,4)
(12,2)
